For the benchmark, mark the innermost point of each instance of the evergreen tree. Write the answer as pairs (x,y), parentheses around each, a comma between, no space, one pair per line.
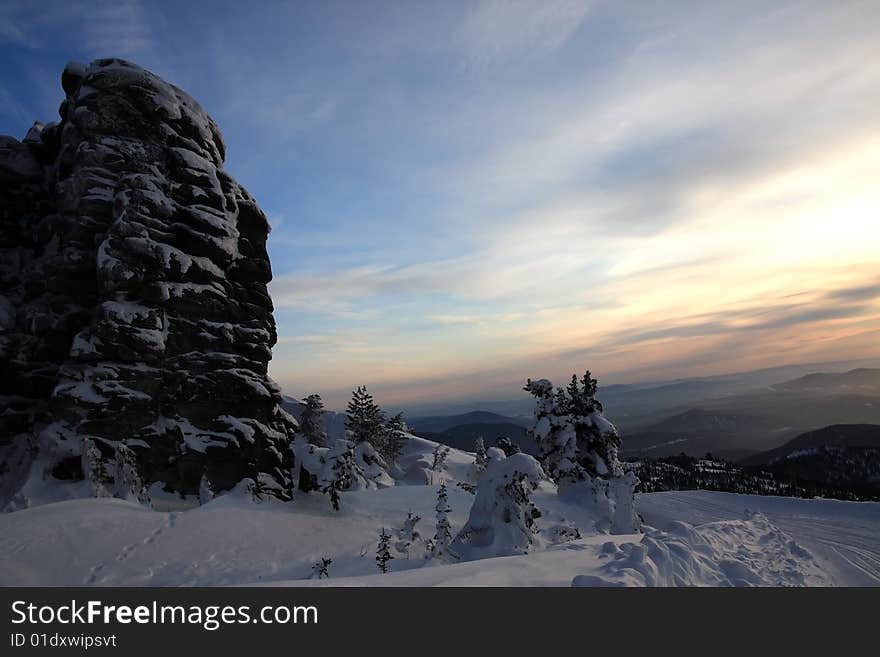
(480,459)
(93,467)
(440,454)
(578,445)
(206,492)
(394,439)
(321,569)
(383,554)
(408,535)
(127,482)
(575,441)
(310,424)
(440,545)
(342,471)
(365,419)
(334,498)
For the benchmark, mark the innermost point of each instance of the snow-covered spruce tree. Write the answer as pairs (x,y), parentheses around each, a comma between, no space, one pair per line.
(439,462)
(480,459)
(321,569)
(127,482)
(441,549)
(341,472)
(340,467)
(408,537)
(310,425)
(502,518)
(383,553)
(579,448)
(93,468)
(365,420)
(395,438)
(206,491)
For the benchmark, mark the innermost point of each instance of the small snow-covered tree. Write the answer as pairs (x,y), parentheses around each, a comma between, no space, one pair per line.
(365,420)
(310,423)
(206,491)
(502,518)
(395,437)
(341,472)
(93,468)
(408,536)
(321,569)
(127,482)
(334,498)
(440,453)
(383,553)
(441,549)
(480,460)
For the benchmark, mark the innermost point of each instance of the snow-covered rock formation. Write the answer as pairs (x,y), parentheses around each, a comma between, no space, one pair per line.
(133,300)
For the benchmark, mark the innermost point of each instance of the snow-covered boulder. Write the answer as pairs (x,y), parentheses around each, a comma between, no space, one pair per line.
(133,274)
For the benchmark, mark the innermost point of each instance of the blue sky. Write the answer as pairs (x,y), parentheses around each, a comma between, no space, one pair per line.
(464,194)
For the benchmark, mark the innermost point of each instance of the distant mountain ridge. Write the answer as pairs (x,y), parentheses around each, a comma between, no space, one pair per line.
(439,423)
(863,380)
(461,431)
(836,435)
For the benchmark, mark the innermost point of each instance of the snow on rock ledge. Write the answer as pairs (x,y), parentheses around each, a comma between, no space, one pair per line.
(133,274)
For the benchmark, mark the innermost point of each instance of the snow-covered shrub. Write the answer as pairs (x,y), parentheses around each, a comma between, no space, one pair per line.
(93,468)
(340,467)
(502,518)
(562,532)
(409,539)
(579,449)
(206,492)
(127,481)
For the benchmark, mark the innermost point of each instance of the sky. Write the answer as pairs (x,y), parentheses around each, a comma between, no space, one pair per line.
(466,194)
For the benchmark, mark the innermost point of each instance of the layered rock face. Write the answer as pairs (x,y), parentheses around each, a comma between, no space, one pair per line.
(133,300)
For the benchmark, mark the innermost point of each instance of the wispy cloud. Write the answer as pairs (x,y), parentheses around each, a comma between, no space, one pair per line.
(501,29)
(121,28)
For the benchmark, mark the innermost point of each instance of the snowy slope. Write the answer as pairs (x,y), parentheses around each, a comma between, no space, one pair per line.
(702,538)
(844,537)
(692,538)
